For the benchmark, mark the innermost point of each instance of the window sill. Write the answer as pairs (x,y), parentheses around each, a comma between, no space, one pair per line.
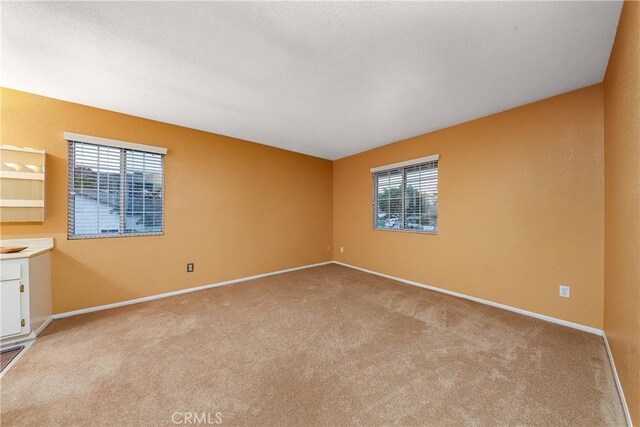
(113,236)
(403,230)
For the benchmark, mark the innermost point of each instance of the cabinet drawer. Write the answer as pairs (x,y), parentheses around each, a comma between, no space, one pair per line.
(9,270)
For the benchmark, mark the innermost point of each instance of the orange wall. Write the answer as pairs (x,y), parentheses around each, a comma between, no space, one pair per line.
(622,204)
(521,209)
(234,208)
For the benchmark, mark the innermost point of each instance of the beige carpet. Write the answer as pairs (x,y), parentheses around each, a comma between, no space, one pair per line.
(323,346)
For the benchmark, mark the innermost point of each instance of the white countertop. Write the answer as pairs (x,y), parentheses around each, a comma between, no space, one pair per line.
(34,247)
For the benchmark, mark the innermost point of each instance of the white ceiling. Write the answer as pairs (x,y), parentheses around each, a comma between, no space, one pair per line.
(327,79)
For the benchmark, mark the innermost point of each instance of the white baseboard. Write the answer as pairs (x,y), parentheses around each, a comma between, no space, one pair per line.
(16,341)
(562,322)
(399,279)
(180,292)
(625,407)
(43,326)
(21,340)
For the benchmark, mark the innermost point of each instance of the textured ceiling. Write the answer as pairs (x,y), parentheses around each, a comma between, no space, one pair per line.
(327,79)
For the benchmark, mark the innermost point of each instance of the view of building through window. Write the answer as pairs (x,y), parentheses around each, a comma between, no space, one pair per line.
(114,191)
(407,198)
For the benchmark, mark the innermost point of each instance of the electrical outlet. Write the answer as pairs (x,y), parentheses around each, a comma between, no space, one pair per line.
(190,267)
(565,291)
(341,249)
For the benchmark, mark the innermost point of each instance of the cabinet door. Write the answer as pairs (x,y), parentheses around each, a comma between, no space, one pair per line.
(10,308)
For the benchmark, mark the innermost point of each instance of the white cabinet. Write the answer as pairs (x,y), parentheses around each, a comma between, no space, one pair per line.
(10,310)
(25,292)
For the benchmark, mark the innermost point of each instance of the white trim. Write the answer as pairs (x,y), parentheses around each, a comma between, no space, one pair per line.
(15,359)
(22,175)
(22,149)
(180,292)
(562,322)
(76,137)
(625,407)
(43,326)
(406,163)
(13,341)
(6,343)
(17,203)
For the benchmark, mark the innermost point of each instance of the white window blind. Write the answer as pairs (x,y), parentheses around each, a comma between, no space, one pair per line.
(114,191)
(406,197)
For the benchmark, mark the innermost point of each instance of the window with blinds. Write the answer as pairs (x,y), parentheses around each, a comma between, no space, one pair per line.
(406,196)
(114,191)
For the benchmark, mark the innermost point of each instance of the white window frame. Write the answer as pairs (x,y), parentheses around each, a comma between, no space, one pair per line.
(402,167)
(124,146)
